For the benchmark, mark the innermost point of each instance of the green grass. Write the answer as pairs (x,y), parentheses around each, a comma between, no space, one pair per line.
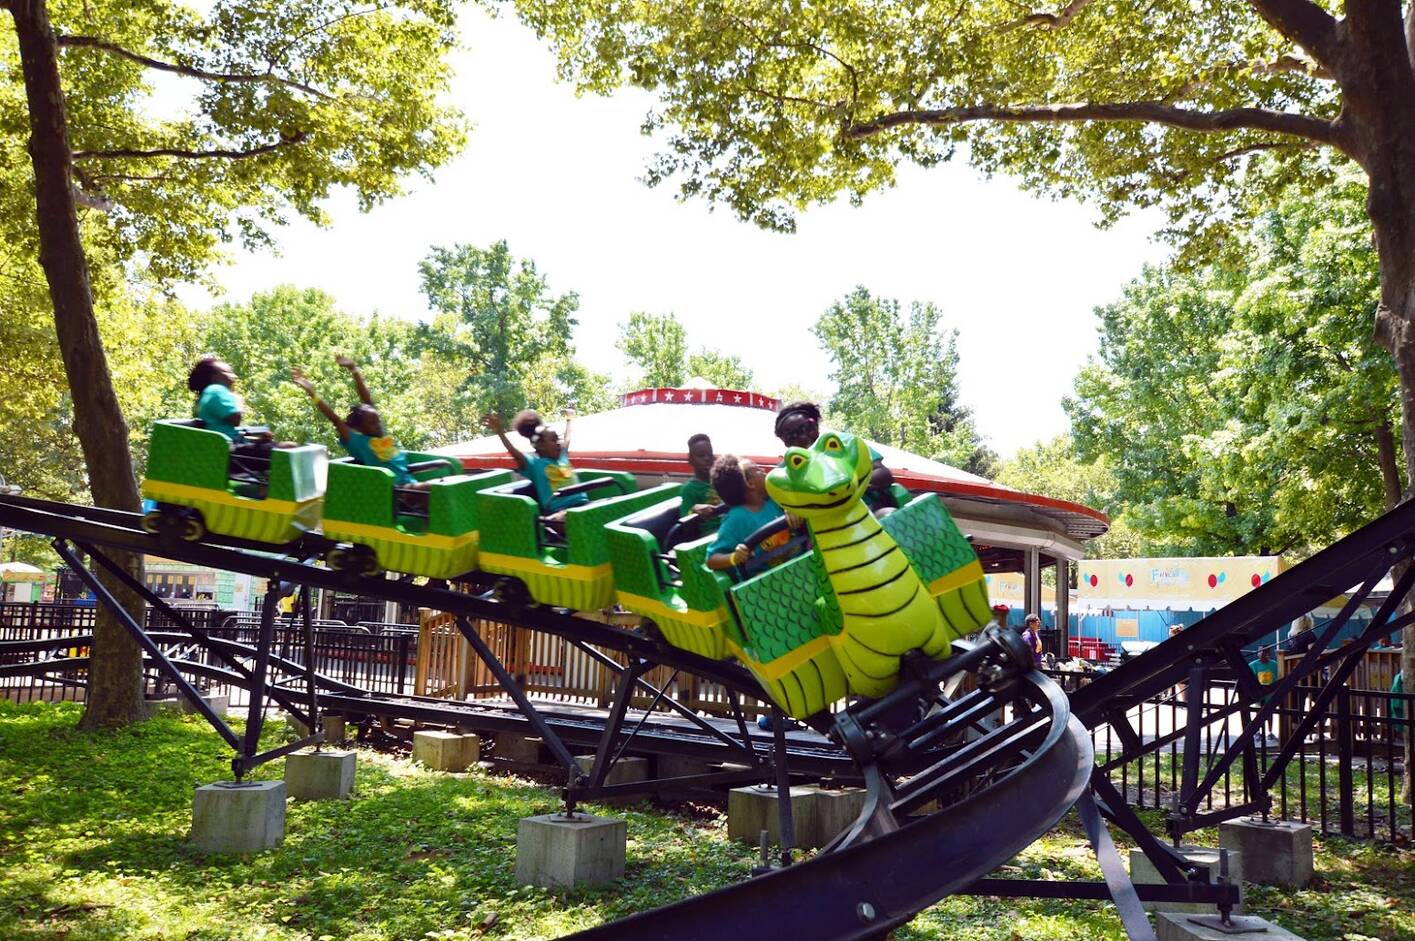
(93,846)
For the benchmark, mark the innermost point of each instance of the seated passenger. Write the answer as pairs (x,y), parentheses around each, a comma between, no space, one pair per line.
(362,433)
(219,408)
(798,426)
(548,468)
(697,495)
(742,486)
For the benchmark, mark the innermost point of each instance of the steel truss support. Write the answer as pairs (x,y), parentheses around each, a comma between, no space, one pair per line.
(139,634)
(522,701)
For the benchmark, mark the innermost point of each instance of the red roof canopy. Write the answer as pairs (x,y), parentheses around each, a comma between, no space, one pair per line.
(648,435)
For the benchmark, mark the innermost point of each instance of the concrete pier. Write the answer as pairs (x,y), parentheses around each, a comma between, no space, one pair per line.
(554,850)
(228,817)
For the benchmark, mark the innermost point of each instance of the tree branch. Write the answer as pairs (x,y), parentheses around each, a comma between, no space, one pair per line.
(93,42)
(297,138)
(1282,64)
(1048,21)
(1303,22)
(1148,112)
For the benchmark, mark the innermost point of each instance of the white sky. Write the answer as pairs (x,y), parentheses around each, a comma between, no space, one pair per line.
(558,177)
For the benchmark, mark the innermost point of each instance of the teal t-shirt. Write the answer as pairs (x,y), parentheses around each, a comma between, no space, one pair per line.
(380,452)
(739,522)
(1265,672)
(548,476)
(215,406)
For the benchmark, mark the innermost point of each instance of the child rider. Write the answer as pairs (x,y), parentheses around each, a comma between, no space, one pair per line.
(548,467)
(361,432)
(742,486)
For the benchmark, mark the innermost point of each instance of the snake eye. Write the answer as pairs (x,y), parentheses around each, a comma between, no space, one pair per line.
(833,444)
(796,461)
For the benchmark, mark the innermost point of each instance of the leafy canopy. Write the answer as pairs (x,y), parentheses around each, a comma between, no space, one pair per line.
(896,378)
(263,109)
(502,335)
(1241,406)
(771,107)
(658,345)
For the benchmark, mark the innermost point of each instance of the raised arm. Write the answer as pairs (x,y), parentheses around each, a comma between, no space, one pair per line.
(353,368)
(493,421)
(565,441)
(300,380)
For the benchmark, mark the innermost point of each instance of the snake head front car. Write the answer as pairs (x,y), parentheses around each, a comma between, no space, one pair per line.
(823,479)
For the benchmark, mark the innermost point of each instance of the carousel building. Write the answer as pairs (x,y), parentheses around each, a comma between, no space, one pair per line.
(648,433)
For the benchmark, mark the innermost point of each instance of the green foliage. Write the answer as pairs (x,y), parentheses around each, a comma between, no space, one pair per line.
(290,327)
(1052,469)
(657,344)
(768,108)
(503,338)
(283,102)
(723,371)
(148,337)
(1239,406)
(896,378)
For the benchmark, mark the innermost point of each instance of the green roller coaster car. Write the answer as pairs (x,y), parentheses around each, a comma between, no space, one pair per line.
(189,475)
(573,572)
(362,508)
(866,592)
(660,572)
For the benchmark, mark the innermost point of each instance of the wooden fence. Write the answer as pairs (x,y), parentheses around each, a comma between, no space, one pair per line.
(547,667)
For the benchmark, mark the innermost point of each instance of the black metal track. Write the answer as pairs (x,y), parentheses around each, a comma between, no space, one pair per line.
(121,530)
(871,887)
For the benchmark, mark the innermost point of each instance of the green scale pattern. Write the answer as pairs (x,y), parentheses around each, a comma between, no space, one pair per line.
(778,608)
(926,532)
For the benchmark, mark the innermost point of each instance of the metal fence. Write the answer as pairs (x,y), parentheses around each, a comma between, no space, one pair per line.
(1344,778)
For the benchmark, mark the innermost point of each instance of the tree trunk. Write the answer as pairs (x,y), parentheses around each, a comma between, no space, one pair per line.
(115,669)
(1392,209)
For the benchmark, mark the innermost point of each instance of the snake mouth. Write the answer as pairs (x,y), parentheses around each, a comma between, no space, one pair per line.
(850,494)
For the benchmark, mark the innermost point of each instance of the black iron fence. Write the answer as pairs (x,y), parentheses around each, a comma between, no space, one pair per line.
(384,663)
(1344,777)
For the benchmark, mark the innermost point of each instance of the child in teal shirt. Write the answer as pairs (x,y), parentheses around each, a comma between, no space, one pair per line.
(742,486)
(548,466)
(362,433)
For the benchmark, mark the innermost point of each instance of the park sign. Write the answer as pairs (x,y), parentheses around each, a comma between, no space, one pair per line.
(1200,584)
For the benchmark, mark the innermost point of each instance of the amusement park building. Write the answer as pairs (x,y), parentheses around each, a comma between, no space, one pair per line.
(648,436)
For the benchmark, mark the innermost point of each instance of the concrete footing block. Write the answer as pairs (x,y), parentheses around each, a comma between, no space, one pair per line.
(228,817)
(553,850)
(518,748)
(837,810)
(750,810)
(446,751)
(626,770)
(320,775)
(1175,926)
(219,704)
(1274,852)
(334,728)
(163,707)
(1206,857)
(678,766)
